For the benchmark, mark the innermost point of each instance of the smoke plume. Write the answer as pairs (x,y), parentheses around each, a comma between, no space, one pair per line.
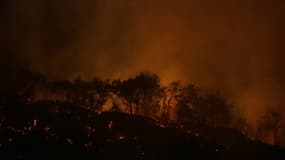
(230,45)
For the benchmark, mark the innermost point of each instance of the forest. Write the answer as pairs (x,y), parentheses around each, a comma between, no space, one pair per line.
(144,95)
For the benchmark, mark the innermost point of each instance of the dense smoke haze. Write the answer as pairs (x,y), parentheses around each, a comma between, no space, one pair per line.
(235,46)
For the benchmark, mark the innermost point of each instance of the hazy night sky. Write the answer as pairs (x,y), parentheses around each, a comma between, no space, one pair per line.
(236,46)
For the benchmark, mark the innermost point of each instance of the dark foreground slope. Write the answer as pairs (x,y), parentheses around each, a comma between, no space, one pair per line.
(50,132)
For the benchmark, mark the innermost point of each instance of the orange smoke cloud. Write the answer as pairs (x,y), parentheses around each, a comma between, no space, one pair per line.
(233,46)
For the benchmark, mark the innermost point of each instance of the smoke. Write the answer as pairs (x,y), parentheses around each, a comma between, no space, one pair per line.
(230,45)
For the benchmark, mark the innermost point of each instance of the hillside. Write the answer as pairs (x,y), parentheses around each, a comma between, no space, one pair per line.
(42,131)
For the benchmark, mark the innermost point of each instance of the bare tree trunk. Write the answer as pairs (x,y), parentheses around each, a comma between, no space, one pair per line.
(168,107)
(163,112)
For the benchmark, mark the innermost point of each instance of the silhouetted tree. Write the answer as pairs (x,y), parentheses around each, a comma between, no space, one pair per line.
(170,94)
(63,89)
(84,93)
(273,119)
(149,92)
(186,100)
(213,109)
(143,92)
(99,93)
(58,89)
(127,90)
(240,124)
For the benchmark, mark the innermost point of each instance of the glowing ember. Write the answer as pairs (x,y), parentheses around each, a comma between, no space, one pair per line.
(35,122)
(110,125)
(69,141)
(122,137)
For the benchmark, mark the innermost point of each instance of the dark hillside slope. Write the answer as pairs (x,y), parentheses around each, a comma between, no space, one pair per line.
(39,131)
